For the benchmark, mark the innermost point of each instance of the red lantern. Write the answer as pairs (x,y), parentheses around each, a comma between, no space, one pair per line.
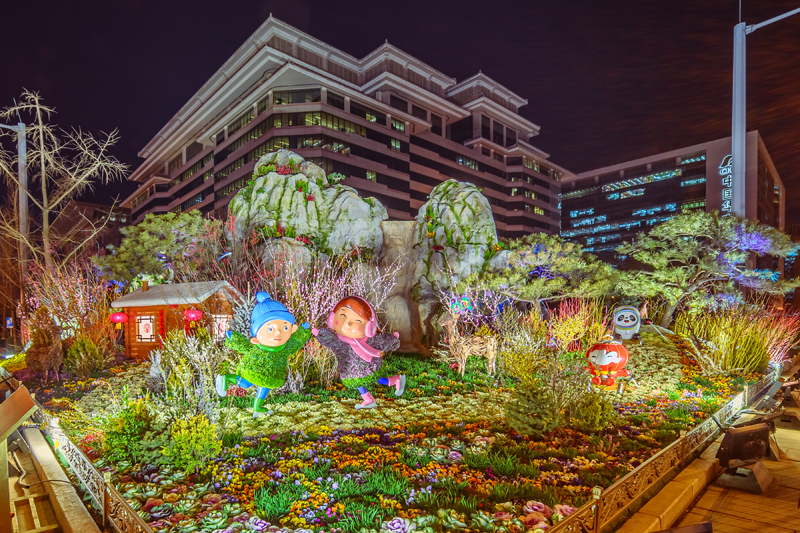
(119,318)
(192,316)
(606,362)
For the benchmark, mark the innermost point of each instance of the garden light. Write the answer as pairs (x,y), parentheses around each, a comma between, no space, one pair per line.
(119,319)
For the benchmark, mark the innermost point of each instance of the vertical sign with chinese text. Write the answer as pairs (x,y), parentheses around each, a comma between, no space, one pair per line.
(727,184)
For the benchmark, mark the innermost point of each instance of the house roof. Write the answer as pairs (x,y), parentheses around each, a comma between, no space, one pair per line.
(174,294)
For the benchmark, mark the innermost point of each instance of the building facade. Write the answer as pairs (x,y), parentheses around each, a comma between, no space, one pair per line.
(394,126)
(89,226)
(602,208)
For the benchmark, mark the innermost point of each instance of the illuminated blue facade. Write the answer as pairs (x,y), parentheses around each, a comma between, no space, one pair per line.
(601,211)
(602,208)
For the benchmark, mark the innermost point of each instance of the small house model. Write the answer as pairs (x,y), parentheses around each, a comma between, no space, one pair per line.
(153,311)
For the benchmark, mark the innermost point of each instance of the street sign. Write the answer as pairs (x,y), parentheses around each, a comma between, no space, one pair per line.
(9,322)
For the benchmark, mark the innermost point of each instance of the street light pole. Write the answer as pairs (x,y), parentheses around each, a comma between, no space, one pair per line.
(739,119)
(22,178)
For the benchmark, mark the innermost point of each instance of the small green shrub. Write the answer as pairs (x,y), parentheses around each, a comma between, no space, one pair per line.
(504,464)
(477,460)
(151,447)
(84,358)
(40,327)
(194,443)
(124,430)
(532,410)
(320,469)
(591,413)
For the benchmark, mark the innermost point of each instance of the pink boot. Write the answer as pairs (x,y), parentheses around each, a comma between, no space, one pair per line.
(368,403)
(399,384)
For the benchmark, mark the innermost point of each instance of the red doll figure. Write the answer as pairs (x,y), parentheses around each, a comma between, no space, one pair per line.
(606,363)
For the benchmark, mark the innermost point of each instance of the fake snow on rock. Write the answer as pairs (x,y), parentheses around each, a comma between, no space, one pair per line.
(295,195)
(455,234)
(455,237)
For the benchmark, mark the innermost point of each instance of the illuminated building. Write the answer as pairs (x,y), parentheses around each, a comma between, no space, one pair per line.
(89,225)
(602,208)
(394,126)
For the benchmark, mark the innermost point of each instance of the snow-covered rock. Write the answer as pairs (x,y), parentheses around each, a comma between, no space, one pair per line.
(291,197)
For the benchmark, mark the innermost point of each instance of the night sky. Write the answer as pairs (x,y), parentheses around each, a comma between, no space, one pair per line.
(606,81)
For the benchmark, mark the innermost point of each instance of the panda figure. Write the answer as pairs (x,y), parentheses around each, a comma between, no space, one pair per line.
(627,322)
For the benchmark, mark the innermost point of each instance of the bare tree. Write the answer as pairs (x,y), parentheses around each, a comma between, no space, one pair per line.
(65,164)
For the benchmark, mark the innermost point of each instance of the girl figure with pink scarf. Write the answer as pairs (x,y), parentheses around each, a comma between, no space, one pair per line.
(352,335)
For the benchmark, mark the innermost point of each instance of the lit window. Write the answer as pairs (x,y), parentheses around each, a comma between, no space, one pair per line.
(660,176)
(589,221)
(693,159)
(537,210)
(625,194)
(398,125)
(221,325)
(693,204)
(371,117)
(372,176)
(146,328)
(696,181)
(530,163)
(581,212)
(395,145)
(579,193)
(467,162)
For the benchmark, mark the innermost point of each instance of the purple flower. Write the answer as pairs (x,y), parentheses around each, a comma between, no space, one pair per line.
(335,486)
(398,525)
(454,456)
(257,524)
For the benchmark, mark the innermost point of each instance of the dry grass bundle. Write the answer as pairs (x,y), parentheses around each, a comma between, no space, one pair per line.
(739,336)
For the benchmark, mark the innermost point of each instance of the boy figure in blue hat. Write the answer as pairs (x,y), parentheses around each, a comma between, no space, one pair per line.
(265,356)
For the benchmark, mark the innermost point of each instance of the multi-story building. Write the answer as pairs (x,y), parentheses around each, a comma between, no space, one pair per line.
(394,126)
(602,208)
(89,225)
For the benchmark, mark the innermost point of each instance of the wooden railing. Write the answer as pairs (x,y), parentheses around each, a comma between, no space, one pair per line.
(607,509)
(611,505)
(116,511)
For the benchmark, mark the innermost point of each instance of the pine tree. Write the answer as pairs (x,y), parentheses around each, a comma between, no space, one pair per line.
(693,257)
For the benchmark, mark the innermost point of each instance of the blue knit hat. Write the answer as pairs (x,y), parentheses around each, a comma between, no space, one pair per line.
(267,309)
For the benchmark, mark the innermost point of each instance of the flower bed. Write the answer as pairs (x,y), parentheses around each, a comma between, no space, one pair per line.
(427,462)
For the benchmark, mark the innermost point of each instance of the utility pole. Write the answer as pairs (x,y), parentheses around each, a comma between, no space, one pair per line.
(22,177)
(739,119)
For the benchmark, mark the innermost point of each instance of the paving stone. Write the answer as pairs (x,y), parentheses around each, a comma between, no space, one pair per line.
(670,503)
